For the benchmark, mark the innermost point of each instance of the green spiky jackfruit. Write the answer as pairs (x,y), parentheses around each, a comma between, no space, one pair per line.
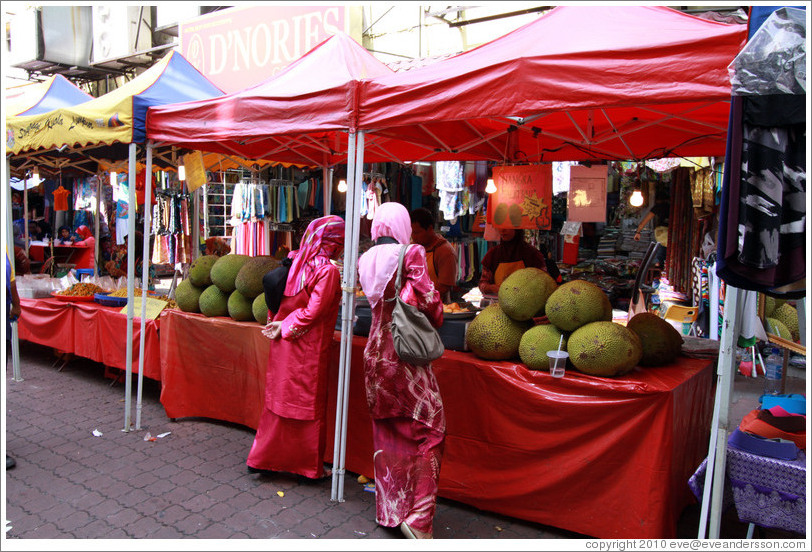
(187,296)
(776,327)
(224,271)
(536,342)
(770,304)
(576,303)
(524,293)
(200,271)
(661,342)
(604,349)
(249,278)
(260,309)
(494,335)
(240,307)
(788,314)
(213,302)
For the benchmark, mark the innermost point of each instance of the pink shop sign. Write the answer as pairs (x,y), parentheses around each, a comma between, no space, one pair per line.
(240,47)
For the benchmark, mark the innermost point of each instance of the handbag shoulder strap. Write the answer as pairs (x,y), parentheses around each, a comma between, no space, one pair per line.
(400,272)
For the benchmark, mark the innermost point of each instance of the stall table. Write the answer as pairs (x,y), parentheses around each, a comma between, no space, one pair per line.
(89,330)
(604,457)
(79,255)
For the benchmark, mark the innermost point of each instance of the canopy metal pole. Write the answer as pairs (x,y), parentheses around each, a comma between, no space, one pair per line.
(144,280)
(348,293)
(717,448)
(99,184)
(15,340)
(195,252)
(25,213)
(130,287)
(351,272)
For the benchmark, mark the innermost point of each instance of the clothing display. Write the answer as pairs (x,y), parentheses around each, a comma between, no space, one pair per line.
(171,227)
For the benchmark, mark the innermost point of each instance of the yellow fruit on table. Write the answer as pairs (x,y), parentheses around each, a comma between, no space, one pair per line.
(363,479)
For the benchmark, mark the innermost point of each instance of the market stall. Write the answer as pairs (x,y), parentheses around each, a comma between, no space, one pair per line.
(617,452)
(108,129)
(617,88)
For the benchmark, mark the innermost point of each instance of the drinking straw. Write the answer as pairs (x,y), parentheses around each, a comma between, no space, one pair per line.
(560,342)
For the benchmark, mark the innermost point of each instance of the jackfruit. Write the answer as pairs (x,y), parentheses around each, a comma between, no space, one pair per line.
(770,304)
(494,335)
(249,278)
(187,296)
(515,215)
(260,309)
(200,271)
(604,349)
(240,307)
(213,302)
(577,303)
(776,327)
(500,214)
(224,271)
(660,340)
(536,342)
(788,314)
(524,293)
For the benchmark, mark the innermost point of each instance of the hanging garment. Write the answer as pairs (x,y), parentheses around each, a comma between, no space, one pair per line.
(61,199)
(762,214)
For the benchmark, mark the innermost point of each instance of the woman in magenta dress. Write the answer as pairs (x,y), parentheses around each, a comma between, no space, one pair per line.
(408,421)
(291,436)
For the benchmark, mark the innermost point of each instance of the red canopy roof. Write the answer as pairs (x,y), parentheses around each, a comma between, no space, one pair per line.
(291,117)
(580,82)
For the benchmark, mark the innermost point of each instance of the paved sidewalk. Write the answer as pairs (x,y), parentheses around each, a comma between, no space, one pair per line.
(191,483)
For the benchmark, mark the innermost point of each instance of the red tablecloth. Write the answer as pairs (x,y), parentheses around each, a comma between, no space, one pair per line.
(604,457)
(212,367)
(89,330)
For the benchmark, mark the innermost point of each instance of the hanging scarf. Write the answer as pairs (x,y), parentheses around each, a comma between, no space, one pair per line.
(377,266)
(322,239)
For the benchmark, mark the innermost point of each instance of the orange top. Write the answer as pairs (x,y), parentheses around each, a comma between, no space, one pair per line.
(61,199)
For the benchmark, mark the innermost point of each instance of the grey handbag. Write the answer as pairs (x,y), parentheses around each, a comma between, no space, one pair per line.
(416,340)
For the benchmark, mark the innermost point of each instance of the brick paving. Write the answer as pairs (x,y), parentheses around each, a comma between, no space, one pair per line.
(192,483)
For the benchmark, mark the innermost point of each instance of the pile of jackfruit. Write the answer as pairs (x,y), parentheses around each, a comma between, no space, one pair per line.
(534,315)
(781,318)
(230,285)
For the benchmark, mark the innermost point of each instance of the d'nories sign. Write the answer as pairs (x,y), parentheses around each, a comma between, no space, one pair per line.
(239,47)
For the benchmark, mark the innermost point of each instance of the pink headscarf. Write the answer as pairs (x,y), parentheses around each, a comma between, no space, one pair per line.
(323,237)
(377,266)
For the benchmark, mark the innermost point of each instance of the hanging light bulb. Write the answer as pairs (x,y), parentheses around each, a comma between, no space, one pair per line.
(35,175)
(182,172)
(491,187)
(342,186)
(636,200)
(113,176)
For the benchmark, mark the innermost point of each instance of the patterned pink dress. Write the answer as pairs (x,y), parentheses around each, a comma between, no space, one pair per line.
(407,411)
(291,436)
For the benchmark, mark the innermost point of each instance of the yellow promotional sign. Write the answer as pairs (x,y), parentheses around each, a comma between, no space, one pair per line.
(154,307)
(195,170)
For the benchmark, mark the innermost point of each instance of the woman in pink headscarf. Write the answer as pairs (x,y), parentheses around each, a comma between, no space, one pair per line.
(408,420)
(87,239)
(291,436)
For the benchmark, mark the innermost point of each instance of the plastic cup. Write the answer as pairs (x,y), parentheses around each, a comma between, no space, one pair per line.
(558,362)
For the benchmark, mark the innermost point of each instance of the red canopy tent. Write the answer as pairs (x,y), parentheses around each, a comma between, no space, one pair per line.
(301,116)
(578,83)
